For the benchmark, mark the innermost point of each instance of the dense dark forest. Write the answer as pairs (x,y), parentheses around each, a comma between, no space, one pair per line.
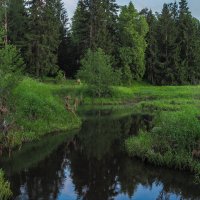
(161,48)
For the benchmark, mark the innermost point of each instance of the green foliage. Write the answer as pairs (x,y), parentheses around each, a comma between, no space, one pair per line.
(139,146)
(40,111)
(60,77)
(11,65)
(94,25)
(132,30)
(97,72)
(182,127)
(42,38)
(172,54)
(171,141)
(17,23)
(4,187)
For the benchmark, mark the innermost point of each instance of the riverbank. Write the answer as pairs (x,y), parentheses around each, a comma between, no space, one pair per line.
(39,108)
(36,110)
(175,139)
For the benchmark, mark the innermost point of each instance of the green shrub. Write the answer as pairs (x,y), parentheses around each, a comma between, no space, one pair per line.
(11,65)
(171,142)
(60,77)
(5,192)
(97,72)
(180,129)
(140,145)
(39,110)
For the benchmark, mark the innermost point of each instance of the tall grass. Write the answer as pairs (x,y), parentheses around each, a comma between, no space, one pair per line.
(38,110)
(171,142)
(5,192)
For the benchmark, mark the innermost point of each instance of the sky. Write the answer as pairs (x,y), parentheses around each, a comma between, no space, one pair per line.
(155,5)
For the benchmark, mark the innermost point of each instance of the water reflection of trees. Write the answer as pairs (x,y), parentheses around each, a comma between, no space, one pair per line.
(99,168)
(42,181)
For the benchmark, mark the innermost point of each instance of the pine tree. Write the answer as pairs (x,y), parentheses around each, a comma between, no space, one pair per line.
(185,36)
(103,25)
(17,23)
(194,53)
(94,26)
(151,73)
(132,30)
(78,39)
(63,29)
(42,38)
(168,50)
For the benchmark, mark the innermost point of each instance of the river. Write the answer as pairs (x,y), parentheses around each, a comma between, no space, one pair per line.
(91,164)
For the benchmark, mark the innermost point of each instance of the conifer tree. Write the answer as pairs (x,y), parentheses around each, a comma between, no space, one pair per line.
(17,23)
(94,25)
(194,53)
(151,72)
(63,32)
(132,31)
(184,39)
(103,25)
(42,38)
(168,52)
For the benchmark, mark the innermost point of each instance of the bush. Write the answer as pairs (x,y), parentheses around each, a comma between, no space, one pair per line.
(60,77)
(39,110)
(180,129)
(5,192)
(171,142)
(97,72)
(11,65)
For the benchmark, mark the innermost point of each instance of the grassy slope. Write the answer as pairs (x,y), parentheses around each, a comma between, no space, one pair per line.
(38,110)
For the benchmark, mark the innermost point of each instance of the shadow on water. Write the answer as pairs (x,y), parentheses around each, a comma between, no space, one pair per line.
(92,165)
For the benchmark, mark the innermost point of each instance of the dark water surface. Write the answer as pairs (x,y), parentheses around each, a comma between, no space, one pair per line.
(91,164)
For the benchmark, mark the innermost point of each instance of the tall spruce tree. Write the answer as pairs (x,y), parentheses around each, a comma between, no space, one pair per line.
(132,31)
(63,32)
(194,53)
(94,25)
(151,72)
(103,25)
(184,40)
(42,38)
(168,55)
(79,37)
(17,23)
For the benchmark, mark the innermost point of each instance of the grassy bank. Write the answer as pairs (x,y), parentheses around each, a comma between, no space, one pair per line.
(5,191)
(39,108)
(36,110)
(175,139)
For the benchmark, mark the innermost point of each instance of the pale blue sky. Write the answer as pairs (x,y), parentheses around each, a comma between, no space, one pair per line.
(155,5)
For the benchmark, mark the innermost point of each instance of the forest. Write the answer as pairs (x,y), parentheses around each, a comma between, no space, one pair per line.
(161,48)
(105,55)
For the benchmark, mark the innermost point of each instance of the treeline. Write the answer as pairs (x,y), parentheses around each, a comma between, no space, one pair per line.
(162,48)
(173,51)
(38,29)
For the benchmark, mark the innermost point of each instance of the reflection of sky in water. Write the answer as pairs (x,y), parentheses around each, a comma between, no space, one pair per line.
(67,192)
(142,192)
(92,167)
